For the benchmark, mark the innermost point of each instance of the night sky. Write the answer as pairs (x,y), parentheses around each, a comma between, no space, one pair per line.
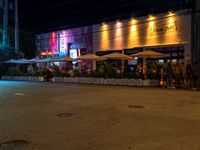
(45,15)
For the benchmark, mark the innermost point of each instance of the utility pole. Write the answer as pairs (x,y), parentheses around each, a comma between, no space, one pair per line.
(16,26)
(5,23)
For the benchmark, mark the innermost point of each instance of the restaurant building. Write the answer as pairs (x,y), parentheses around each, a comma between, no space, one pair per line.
(168,33)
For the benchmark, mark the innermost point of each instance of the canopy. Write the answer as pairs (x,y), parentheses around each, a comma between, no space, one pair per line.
(116,56)
(149,54)
(91,57)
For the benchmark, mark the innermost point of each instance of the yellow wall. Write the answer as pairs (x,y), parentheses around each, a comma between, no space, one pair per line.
(144,31)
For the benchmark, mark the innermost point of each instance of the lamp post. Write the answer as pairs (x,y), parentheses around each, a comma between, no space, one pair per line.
(16,26)
(5,23)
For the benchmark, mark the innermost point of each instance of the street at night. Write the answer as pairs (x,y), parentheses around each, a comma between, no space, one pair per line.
(52,116)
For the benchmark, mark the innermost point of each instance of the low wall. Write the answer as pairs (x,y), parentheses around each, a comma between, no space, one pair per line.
(84,80)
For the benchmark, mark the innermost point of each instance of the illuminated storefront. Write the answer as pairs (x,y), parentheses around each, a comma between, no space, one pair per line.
(166,33)
(169,33)
(70,42)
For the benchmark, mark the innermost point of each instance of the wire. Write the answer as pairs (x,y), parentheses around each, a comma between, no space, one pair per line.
(104,10)
(122,36)
(89,11)
(142,22)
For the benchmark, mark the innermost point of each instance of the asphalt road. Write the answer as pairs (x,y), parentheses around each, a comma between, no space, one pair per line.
(53,116)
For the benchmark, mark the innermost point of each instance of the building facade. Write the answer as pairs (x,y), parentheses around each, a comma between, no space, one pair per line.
(168,33)
(70,42)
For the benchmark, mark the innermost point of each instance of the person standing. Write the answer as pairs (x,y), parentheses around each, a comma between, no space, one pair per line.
(182,72)
(189,75)
(177,75)
(169,74)
(195,75)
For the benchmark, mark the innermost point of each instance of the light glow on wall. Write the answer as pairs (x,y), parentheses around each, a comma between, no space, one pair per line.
(171,28)
(118,39)
(132,33)
(105,43)
(151,21)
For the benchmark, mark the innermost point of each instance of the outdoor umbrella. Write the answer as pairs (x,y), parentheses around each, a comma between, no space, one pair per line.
(22,61)
(17,61)
(11,61)
(148,54)
(34,60)
(62,59)
(91,57)
(117,56)
(46,60)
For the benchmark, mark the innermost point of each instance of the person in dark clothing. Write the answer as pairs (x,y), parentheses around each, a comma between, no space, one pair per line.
(189,75)
(195,75)
(169,74)
(47,75)
(177,75)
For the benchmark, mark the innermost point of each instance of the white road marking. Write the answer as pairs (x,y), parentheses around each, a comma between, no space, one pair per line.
(19,94)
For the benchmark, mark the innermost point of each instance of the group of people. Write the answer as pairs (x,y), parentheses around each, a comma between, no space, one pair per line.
(179,75)
(171,74)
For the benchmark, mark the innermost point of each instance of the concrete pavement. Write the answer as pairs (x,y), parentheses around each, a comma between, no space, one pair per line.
(91,117)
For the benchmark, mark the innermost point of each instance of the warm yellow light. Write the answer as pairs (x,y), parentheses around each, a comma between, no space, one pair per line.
(118,38)
(133,25)
(118,24)
(104,26)
(170,13)
(132,32)
(104,36)
(151,18)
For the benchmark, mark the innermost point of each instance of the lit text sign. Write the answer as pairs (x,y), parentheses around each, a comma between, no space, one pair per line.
(163,29)
(63,43)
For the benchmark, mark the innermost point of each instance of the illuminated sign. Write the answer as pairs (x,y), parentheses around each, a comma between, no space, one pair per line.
(73,53)
(163,29)
(63,43)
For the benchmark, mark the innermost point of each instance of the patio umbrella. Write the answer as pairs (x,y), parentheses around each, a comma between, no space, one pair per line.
(34,60)
(149,54)
(91,57)
(117,56)
(22,61)
(62,59)
(46,60)
(18,61)
(11,61)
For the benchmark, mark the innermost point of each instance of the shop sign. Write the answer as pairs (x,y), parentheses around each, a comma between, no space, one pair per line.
(160,29)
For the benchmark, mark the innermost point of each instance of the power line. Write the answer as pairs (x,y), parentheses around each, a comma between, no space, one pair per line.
(106,10)
(142,22)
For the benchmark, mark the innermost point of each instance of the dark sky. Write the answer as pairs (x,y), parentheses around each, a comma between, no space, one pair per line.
(46,15)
